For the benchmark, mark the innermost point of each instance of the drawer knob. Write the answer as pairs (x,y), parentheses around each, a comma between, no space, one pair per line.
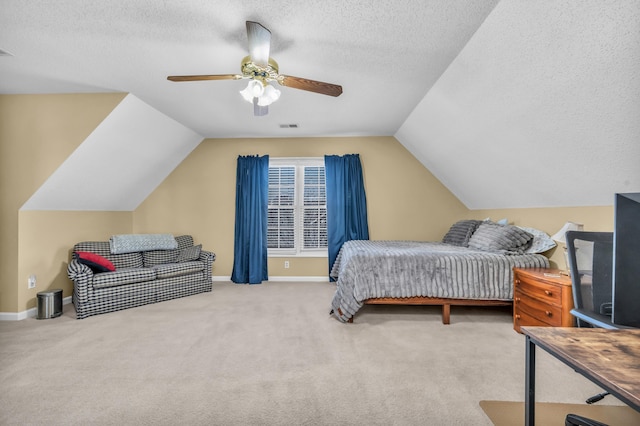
(547,292)
(548,313)
(518,317)
(517,300)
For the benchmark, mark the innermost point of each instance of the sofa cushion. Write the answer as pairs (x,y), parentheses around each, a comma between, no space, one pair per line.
(98,247)
(123,276)
(177,269)
(120,261)
(189,254)
(184,241)
(94,261)
(159,257)
(126,260)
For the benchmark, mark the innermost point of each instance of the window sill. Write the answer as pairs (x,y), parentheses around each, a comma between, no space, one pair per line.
(292,254)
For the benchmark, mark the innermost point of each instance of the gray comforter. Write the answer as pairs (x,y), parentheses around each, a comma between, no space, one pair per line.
(373,269)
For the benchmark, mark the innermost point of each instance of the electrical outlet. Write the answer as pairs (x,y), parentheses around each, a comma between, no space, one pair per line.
(32,281)
(286,264)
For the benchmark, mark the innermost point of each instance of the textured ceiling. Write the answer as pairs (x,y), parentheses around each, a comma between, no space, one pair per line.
(541,108)
(511,103)
(385,54)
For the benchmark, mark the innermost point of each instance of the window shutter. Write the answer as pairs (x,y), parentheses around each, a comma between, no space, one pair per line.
(297,212)
(314,217)
(281,215)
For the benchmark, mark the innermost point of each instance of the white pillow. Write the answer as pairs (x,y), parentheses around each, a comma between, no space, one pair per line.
(541,240)
(503,221)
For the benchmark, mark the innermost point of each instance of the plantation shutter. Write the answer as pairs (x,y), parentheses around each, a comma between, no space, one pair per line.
(281,214)
(314,206)
(297,211)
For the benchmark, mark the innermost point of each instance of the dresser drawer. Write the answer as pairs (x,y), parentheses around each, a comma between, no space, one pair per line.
(547,293)
(541,297)
(544,312)
(521,319)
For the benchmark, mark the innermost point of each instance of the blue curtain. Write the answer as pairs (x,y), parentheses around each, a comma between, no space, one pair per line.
(346,202)
(250,243)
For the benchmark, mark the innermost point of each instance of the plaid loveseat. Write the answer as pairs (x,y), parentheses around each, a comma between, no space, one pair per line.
(140,278)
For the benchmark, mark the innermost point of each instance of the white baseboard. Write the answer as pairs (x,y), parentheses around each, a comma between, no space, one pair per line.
(306,279)
(283,278)
(29,313)
(220,278)
(33,312)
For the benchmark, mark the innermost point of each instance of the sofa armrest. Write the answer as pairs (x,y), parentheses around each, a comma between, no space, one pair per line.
(208,258)
(82,277)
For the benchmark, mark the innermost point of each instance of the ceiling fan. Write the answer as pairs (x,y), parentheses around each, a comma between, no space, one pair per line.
(261,71)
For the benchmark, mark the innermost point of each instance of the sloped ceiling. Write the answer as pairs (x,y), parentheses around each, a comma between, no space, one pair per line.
(385,54)
(509,103)
(121,162)
(541,108)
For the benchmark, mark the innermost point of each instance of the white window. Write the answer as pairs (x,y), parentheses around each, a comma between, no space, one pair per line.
(297,220)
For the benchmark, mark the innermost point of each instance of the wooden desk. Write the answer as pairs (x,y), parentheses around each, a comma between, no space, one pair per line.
(609,358)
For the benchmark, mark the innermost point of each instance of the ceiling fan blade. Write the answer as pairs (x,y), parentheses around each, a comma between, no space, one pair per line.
(259,43)
(310,85)
(204,77)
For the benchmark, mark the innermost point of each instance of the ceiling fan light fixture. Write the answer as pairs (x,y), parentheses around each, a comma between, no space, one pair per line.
(254,89)
(271,94)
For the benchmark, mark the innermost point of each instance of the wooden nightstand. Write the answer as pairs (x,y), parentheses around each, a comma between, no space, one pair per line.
(541,297)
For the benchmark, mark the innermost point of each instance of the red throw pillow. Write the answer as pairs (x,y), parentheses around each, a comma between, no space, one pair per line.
(94,261)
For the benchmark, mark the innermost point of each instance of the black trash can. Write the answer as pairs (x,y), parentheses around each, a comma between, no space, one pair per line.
(49,304)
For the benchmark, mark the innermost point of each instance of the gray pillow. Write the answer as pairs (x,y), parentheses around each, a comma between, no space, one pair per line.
(184,241)
(507,239)
(460,232)
(541,240)
(188,254)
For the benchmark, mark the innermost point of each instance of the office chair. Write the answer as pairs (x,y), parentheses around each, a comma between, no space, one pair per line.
(575,420)
(591,266)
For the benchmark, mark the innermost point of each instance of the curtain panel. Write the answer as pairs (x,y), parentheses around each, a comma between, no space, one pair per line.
(250,242)
(346,202)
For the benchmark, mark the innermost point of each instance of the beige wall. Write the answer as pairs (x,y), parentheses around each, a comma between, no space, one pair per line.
(37,133)
(404,200)
(550,220)
(45,242)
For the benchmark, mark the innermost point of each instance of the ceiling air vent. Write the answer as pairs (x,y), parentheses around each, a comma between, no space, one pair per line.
(288,126)
(5,53)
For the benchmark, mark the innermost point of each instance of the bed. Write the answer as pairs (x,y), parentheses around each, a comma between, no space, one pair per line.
(475,268)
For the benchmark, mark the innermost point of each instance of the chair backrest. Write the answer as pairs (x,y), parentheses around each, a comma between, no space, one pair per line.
(591,265)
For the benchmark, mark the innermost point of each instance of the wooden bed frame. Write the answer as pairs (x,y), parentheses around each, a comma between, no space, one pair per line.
(446,303)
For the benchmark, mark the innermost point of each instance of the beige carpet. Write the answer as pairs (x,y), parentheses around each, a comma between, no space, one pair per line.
(507,413)
(269,354)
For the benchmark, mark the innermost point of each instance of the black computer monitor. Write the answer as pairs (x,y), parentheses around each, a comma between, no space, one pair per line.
(626,260)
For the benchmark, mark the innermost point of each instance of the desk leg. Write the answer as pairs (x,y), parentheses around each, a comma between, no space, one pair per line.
(530,384)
